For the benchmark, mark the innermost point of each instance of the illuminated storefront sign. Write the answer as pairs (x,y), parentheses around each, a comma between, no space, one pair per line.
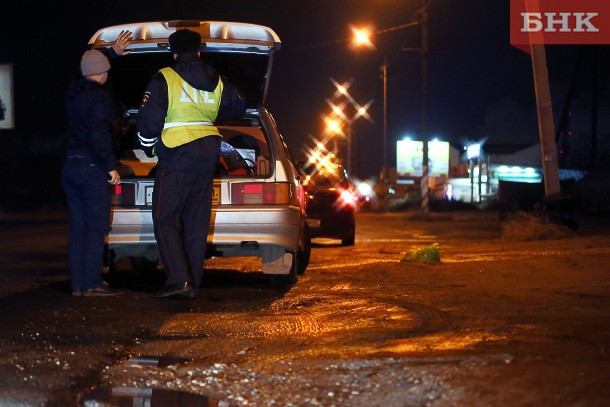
(438,158)
(409,158)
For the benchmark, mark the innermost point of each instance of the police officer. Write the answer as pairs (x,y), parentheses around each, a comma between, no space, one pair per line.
(175,123)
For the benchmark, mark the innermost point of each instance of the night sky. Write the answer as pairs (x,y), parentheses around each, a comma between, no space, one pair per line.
(480,87)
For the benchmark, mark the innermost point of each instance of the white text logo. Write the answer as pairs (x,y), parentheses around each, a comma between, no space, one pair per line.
(558,22)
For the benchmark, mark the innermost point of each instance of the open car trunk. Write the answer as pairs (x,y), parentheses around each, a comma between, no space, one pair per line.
(241,53)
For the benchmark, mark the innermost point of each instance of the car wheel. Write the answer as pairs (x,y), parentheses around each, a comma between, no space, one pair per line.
(287,280)
(304,251)
(348,240)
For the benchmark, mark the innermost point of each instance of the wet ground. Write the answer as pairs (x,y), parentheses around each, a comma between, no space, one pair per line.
(496,322)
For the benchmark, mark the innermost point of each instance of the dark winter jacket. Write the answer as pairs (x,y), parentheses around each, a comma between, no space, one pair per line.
(153,110)
(90,110)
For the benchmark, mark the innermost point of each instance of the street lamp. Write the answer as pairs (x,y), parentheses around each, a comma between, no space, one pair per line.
(346,119)
(362,37)
(333,128)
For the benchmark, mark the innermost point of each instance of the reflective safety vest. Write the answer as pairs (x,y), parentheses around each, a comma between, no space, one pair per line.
(190,113)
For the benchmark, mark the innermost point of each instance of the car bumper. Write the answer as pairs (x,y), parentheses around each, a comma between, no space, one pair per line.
(229,225)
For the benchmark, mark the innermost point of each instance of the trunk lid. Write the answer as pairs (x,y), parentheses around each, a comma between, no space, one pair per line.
(242,53)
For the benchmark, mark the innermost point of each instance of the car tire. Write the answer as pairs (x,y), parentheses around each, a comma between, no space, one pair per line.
(348,240)
(304,251)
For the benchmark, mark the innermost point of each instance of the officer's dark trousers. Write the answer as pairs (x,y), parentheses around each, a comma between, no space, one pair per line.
(182,204)
(88,195)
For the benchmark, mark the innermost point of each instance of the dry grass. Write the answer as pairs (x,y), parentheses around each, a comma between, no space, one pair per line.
(524,226)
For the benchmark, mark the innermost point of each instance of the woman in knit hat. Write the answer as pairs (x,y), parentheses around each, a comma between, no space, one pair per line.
(89,170)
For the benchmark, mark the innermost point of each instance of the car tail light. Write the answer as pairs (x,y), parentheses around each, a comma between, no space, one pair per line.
(257,193)
(123,194)
(344,199)
(347,197)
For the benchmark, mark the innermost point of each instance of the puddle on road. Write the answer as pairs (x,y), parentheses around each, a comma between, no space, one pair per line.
(163,361)
(149,397)
(134,396)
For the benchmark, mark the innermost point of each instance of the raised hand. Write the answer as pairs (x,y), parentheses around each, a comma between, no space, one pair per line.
(122,41)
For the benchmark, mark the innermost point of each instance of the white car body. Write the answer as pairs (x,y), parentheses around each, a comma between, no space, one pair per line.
(258,210)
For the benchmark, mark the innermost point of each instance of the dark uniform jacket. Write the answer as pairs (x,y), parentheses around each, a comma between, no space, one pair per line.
(90,110)
(153,110)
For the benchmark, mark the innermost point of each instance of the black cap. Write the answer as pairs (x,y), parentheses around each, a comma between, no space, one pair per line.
(184,41)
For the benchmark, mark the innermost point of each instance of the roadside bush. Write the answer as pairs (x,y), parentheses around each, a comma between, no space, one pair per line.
(526,226)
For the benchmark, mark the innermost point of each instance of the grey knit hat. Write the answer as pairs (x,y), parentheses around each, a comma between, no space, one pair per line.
(94,62)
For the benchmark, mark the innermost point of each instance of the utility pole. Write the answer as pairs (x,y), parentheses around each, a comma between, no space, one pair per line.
(384,75)
(544,107)
(349,148)
(425,190)
(546,127)
(593,53)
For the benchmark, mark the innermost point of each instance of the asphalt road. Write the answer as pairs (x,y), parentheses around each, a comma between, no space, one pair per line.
(495,322)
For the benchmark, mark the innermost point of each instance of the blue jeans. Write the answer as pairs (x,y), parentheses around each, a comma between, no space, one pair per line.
(88,196)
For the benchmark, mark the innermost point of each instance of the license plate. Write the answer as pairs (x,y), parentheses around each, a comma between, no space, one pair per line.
(313,223)
(216,195)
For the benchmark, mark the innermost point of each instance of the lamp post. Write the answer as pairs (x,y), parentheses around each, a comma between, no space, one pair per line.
(384,74)
(425,190)
(339,112)
(333,127)
(361,37)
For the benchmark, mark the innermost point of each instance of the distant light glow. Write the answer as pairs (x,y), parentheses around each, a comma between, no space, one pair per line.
(473,151)
(342,88)
(347,197)
(365,188)
(362,37)
(449,193)
(333,125)
(516,173)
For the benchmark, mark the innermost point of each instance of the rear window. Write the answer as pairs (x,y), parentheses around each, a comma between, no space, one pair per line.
(245,149)
(131,73)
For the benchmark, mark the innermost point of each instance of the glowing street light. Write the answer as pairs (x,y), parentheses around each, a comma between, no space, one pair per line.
(342,88)
(362,37)
(333,125)
(339,111)
(322,160)
(363,111)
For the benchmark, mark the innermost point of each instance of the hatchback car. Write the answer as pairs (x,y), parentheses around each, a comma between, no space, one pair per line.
(258,203)
(331,203)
